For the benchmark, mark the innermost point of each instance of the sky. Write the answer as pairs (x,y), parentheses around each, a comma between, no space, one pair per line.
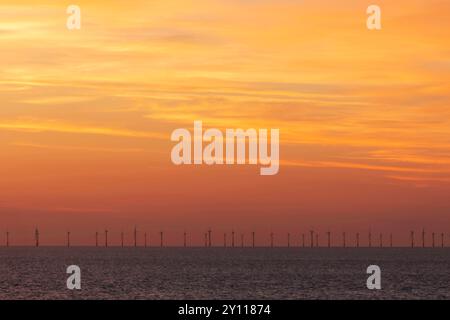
(86,118)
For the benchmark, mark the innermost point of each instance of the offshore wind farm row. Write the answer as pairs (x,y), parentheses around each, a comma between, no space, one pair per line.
(234,240)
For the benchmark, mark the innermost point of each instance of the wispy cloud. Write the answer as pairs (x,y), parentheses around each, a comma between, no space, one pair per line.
(77,148)
(363,166)
(56,126)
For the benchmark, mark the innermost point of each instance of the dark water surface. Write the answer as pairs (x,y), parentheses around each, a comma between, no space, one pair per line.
(220,273)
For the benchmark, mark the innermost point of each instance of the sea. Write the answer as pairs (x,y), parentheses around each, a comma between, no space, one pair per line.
(223,273)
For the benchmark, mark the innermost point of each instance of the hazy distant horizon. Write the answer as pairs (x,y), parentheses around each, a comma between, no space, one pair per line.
(171,239)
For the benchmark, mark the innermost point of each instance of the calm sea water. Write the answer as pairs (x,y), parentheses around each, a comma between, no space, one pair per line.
(219,273)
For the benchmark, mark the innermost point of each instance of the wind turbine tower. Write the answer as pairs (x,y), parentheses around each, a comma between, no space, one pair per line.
(253,239)
(36,237)
(232,238)
(344,240)
(209,237)
(423,238)
(329,239)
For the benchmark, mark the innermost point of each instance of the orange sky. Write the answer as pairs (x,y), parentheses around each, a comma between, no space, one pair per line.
(86,117)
